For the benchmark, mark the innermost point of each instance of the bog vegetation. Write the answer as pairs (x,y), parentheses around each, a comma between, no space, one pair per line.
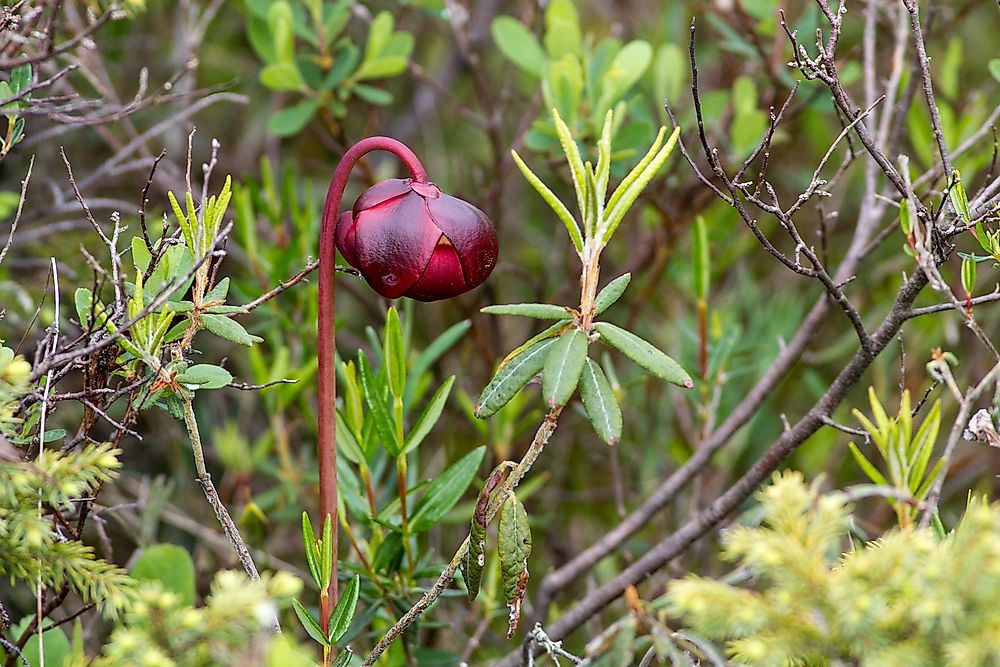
(729,396)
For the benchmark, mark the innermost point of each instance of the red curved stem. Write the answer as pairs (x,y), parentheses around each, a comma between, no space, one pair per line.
(327,446)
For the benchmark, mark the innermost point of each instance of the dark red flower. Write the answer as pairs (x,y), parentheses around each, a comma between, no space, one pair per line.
(410,239)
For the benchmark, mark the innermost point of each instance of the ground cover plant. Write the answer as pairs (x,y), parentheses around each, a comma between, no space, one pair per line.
(438,333)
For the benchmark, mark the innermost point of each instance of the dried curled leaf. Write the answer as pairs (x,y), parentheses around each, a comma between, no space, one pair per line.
(514,539)
(475,557)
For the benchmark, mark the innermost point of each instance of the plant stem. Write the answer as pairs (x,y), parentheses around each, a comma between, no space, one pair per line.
(327,441)
(542,435)
(221,513)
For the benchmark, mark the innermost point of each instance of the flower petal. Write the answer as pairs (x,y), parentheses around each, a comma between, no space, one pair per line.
(394,242)
(381,192)
(472,234)
(443,277)
(344,237)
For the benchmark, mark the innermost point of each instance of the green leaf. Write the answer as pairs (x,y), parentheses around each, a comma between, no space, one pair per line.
(573,159)
(968,275)
(553,201)
(344,658)
(959,200)
(309,544)
(378,34)
(377,408)
(514,543)
(381,68)
(994,67)
(563,86)
(541,311)
(923,443)
(519,45)
(326,544)
(170,565)
(281,23)
(600,403)
(563,366)
(290,121)
(83,298)
(56,645)
(562,29)
(637,180)
(228,328)
(446,490)
(611,293)
(866,466)
(702,260)
(373,95)
(309,623)
(347,441)
(429,417)
(395,355)
(206,376)
(627,67)
(511,377)
(140,254)
(282,76)
(340,617)
(644,354)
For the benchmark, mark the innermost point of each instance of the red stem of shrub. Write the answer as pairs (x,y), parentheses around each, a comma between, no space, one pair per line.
(327,445)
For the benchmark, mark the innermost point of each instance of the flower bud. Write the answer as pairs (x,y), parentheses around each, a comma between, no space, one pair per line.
(408,238)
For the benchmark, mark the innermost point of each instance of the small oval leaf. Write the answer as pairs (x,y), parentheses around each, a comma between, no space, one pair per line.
(563,366)
(600,403)
(644,354)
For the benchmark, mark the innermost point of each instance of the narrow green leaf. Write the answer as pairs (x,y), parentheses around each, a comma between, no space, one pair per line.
(923,442)
(866,466)
(573,159)
(395,355)
(644,354)
(377,408)
(968,275)
(563,366)
(309,623)
(611,293)
(959,200)
(541,311)
(702,259)
(326,551)
(446,490)
(553,201)
(347,441)
(340,617)
(309,543)
(600,403)
(429,417)
(511,378)
(514,542)
(628,196)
